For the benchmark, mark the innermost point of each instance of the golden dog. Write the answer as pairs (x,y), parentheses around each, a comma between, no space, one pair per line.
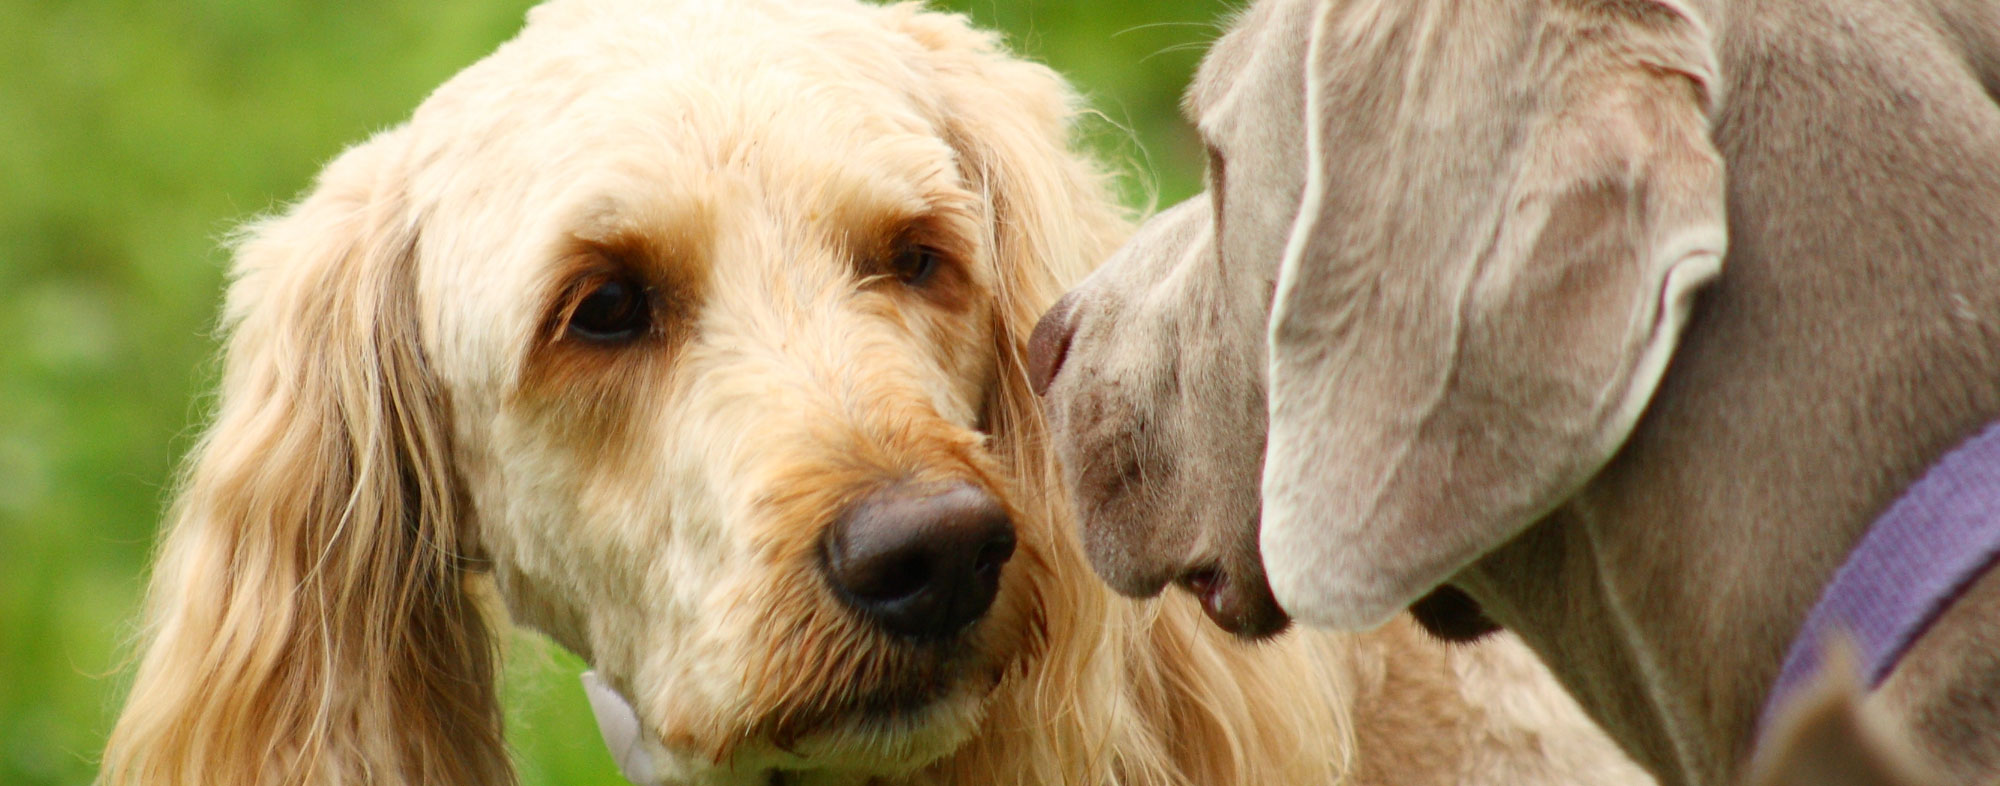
(697,327)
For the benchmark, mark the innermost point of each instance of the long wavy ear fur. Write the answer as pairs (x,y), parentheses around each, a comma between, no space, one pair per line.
(307,622)
(1053,215)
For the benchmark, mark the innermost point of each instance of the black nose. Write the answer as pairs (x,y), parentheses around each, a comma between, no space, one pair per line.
(920,561)
(1048,346)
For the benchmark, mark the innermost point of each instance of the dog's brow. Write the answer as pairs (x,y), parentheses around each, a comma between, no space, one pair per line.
(1219,70)
(665,242)
(944,214)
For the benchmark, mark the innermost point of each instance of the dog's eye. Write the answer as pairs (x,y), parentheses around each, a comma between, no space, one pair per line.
(614,311)
(916,264)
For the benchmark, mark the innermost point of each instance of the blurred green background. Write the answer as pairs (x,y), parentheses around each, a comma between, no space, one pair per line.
(133,135)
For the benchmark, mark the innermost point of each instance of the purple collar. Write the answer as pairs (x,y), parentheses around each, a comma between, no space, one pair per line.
(1913,563)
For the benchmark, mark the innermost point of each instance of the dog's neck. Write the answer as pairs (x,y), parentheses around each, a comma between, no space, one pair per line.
(1846,348)
(1666,648)
(1682,666)
(1916,561)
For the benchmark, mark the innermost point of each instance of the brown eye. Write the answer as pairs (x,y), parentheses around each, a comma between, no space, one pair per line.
(615,311)
(916,265)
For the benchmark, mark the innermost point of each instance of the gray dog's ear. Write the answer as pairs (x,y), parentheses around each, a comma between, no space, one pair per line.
(1507,215)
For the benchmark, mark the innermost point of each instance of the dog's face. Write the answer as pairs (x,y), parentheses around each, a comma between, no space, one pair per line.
(1439,269)
(1161,436)
(725,300)
(1153,367)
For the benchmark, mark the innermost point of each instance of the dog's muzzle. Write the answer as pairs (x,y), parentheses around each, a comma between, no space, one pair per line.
(920,562)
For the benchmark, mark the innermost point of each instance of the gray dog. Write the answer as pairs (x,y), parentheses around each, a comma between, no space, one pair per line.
(1453,328)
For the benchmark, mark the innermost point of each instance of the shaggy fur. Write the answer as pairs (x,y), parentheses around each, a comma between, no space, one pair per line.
(408,412)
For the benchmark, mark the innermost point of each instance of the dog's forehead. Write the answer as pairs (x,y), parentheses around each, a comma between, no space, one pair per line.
(679,129)
(651,79)
(1269,38)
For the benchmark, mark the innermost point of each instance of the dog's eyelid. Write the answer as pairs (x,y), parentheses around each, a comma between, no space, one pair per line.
(939,233)
(624,305)
(608,308)
(659,273)
(925,254)
(916,264)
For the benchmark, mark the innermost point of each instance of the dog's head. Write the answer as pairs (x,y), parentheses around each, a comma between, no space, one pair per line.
(1442,262)
(699,325)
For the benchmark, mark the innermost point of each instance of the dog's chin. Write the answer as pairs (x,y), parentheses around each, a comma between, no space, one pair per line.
(1238,601)
(891,740)
(904,722)
(1232,589)
(889,734)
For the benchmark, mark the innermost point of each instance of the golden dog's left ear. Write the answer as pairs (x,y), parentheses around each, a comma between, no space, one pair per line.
(1486,278)
(308,618)
(1052,216)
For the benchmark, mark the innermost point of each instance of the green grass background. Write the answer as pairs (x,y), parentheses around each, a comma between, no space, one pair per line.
(134,134)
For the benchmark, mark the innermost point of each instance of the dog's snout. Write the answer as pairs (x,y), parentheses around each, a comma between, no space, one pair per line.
(921,562)
(1048,346)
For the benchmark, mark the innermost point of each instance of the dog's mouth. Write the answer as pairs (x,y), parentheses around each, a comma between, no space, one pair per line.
(898,688)
(951,670)
(878,642)
(906,721)
(1243,607)
(867,702)
(890,729)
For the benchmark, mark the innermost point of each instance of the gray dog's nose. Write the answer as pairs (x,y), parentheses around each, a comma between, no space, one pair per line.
(922,562)
(1048,346)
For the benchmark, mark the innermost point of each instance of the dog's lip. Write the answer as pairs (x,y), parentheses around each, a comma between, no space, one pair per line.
(1246,609)
(830,732)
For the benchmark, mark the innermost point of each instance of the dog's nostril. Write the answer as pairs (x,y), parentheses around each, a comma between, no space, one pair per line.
(922,562)
(1048,345)
(995,553)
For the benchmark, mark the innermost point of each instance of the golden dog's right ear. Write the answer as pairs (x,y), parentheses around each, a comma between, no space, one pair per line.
(306,621)
(1506,217)
(1052,216)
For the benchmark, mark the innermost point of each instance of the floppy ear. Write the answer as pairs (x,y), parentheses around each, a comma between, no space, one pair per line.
(1484,284)
(306,619)
(1052,218)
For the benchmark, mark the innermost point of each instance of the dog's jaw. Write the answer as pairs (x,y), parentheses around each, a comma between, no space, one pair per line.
(850,750)
(645,761)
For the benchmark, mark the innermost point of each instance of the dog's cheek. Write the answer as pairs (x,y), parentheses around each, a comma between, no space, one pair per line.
(962,367)
(610,550)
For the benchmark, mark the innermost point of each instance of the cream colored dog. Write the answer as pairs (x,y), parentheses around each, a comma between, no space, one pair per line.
(1452,328)
(697,327)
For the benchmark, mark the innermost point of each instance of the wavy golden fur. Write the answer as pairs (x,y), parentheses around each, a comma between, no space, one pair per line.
(404,417)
